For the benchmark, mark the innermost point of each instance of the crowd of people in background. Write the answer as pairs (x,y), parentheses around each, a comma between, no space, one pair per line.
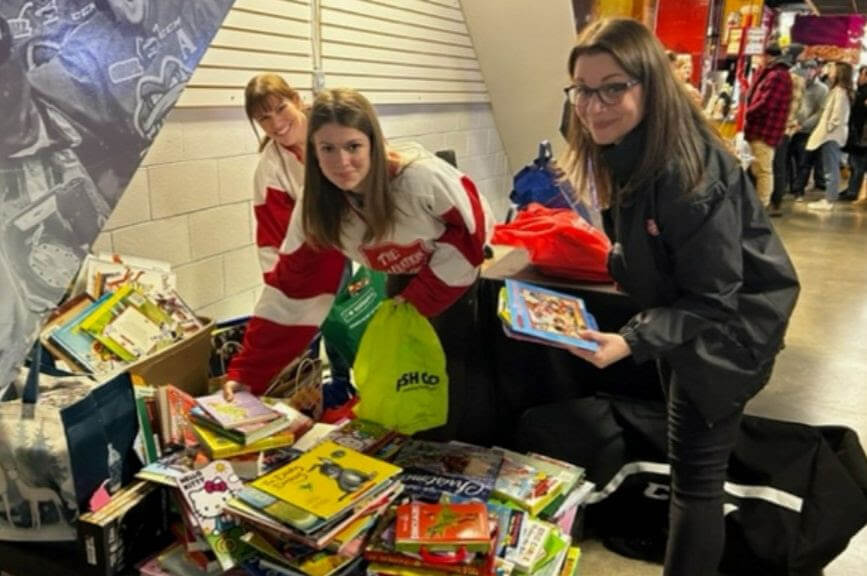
(805,123)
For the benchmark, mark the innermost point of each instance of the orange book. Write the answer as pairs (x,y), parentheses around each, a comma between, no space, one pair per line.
(442,527)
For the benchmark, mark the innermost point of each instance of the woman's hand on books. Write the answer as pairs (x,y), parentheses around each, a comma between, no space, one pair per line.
(229,389)
(612,347)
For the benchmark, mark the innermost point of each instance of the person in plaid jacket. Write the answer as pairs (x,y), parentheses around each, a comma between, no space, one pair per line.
(768,105)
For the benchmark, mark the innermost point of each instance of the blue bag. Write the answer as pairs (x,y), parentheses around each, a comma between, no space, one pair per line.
(540,182)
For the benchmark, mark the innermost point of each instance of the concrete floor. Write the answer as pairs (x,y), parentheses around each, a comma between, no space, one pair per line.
(821,375)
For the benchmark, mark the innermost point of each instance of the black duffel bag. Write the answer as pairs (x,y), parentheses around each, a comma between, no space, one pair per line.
(795,494)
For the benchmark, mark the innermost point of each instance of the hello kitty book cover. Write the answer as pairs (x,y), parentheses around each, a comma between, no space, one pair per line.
(206,491)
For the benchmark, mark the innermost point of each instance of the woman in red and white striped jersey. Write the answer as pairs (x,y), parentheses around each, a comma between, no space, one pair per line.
(411,215)
(278,110)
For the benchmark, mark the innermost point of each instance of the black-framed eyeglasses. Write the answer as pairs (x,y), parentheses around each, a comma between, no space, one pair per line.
(609,94)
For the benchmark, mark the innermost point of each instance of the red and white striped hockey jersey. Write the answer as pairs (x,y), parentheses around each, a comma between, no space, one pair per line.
(442,224)
(277,184)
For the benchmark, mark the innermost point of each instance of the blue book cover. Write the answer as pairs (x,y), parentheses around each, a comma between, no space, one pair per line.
(82,346)
(459,471)
(547,317)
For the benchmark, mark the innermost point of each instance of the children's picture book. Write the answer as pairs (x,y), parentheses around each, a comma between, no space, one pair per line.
(459,471)
(107,272)
(326,480)
(244,409)
(167,469)
(545,316)
(528,550)
(362,435)
(173,407)
(184,320)
(81,346)
(218,446)
(68,311)
(568,475)
(129,324)
(251,466)
(206,492)
(526,486)
(246,434)
(381,551)
(299,422)
(442,527)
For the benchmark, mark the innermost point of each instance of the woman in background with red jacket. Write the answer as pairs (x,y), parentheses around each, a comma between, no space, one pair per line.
(410,215)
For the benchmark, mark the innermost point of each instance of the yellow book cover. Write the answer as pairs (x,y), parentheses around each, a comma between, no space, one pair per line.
(570,565)
(218,446)
(327,479)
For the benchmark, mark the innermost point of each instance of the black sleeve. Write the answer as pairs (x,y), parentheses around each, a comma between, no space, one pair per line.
(702,236)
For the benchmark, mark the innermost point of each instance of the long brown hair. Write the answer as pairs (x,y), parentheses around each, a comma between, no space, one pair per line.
(676,130)
(263,91)
(324,205)
(844,77)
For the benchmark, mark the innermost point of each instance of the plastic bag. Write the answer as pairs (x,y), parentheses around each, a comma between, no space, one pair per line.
(560,243)
(352,310)
(541,183)
(400,371)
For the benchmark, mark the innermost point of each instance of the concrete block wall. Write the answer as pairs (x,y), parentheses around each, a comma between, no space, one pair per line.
(190,201)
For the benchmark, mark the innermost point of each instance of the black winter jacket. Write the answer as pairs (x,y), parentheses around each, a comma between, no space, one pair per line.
(714,283)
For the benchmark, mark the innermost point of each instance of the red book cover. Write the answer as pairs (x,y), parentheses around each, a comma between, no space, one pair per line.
(442,527)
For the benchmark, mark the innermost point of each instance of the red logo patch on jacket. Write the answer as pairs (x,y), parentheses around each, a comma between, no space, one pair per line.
(394,258)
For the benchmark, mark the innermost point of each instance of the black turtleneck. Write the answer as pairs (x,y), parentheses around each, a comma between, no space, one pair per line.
(621,158)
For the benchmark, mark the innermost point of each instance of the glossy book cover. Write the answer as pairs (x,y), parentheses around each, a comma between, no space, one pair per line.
(326,480)
(547,316)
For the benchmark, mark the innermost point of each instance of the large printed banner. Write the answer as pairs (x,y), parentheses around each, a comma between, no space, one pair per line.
(84,88)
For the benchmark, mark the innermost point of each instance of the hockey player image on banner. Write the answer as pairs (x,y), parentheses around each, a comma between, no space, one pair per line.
(84,88)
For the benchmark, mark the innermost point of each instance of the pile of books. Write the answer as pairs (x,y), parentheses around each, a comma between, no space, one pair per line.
(121,311)
(246,425)
(441,537)
(535,314)
(337,499)
(323,502)
(532,504)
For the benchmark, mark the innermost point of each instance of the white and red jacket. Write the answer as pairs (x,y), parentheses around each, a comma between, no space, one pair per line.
(277,187)
(442,224)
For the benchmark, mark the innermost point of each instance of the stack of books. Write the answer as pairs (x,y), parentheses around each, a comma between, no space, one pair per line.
(433,538)
(250,431)
(535,314)
(324,501)
(122,313)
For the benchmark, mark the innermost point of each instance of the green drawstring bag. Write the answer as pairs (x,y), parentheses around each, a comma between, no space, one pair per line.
(400,371)
(353,308)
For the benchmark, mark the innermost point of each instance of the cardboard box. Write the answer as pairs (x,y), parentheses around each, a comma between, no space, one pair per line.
(184,363)
(132,526)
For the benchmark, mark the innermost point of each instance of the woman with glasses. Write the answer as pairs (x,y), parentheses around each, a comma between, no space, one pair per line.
(410,215)
(693,247)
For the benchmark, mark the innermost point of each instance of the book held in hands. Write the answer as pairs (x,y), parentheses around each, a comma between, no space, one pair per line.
(535,314)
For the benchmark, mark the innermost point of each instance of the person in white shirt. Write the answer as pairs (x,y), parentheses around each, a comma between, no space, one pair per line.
(831,132)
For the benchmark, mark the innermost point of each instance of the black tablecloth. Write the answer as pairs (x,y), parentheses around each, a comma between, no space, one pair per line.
(512,376)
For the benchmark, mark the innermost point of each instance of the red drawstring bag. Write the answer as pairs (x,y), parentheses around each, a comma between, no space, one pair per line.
(559,241)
